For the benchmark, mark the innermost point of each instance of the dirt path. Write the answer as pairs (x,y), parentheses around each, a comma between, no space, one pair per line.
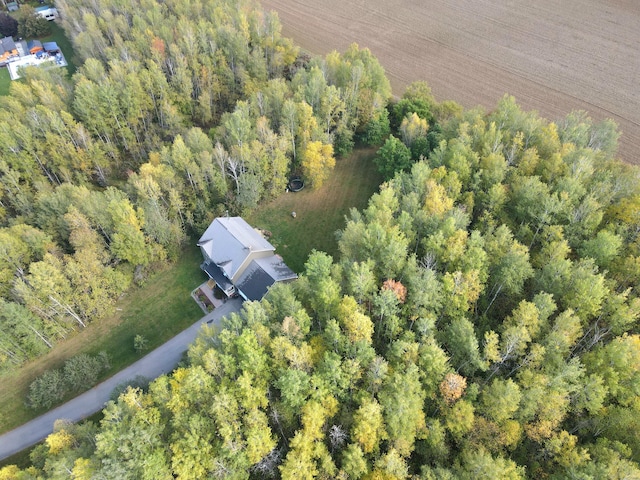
(554,57)
(162,360)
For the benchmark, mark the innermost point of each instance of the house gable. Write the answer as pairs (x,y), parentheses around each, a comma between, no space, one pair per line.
(231,243)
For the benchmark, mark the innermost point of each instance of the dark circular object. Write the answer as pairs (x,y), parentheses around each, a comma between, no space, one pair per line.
(296,184)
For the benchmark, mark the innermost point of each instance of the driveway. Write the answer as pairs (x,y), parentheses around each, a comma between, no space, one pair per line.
(162,360)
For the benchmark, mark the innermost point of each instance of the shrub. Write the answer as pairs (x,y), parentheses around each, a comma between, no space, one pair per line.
(79,373)
(140,343)
(47,390)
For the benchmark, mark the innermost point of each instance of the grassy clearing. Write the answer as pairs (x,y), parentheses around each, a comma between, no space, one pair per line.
(157,311)
(319,213)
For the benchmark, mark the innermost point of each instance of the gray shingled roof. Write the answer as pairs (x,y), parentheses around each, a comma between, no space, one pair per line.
(7,44)
(229,240)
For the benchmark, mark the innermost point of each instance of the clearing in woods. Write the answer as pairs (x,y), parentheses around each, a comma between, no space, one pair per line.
(319,213)
(554,57)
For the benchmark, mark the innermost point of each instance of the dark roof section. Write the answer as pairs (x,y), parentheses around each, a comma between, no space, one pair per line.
(217,276)
(254,282)
(261,274)
(51,47)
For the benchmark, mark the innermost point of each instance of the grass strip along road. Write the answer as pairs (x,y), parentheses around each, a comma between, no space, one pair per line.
(162,360)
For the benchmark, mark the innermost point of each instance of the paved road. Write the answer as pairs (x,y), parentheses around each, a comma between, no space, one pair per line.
(162,360)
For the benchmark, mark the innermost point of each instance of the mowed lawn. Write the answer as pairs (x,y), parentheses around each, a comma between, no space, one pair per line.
(162,308)
(319,213)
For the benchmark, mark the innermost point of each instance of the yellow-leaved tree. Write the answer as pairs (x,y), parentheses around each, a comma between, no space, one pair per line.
(317,163)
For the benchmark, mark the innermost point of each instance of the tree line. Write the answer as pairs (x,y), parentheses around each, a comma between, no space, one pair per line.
(481,321)
(174,117)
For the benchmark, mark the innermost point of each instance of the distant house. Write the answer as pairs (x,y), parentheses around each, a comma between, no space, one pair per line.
(46,12)
(13,6)
(240,260)
(8,51)
(34,46)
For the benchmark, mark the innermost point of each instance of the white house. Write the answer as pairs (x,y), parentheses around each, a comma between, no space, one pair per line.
(240,260)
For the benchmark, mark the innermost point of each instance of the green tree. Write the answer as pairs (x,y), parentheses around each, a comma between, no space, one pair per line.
(128,241)
(354,463)
(481,464)
(31,24)
(392,157)
(402,399)
(377,129)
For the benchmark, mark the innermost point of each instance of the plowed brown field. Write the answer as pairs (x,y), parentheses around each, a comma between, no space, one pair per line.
(553,56)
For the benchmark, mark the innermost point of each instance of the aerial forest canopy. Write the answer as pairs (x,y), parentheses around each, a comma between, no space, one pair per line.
(179,113)
(481,320)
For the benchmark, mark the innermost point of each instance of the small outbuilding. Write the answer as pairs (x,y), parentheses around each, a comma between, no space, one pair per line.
(51,47)
(35,46)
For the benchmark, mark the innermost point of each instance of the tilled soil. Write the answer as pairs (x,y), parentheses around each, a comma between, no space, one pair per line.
(553,56)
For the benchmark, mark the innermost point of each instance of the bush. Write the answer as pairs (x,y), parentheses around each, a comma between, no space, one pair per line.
(31,24)
(79,373)
(140,343)
(47,390)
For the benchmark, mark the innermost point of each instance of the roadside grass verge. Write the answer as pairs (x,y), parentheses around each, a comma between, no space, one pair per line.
(319,213)
(159,310)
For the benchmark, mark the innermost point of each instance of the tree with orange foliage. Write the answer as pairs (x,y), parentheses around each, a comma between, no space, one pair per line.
(396,287)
